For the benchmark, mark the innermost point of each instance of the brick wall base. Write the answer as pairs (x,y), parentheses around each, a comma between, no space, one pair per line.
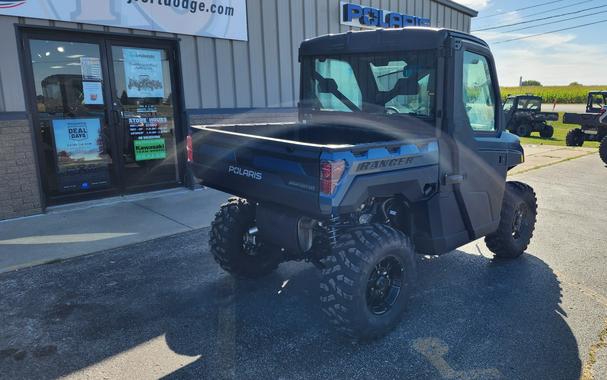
(19,186)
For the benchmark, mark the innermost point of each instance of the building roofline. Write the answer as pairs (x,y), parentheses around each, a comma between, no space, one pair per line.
(462,8)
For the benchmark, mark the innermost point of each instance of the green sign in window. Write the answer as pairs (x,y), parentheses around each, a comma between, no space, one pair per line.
(153,149)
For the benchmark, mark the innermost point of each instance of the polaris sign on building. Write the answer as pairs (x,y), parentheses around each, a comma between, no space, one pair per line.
(369,17)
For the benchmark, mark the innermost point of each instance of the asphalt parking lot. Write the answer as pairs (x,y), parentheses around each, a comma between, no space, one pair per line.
(164,309)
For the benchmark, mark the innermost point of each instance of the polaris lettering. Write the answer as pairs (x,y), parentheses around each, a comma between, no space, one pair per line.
(245,172)
(369,17)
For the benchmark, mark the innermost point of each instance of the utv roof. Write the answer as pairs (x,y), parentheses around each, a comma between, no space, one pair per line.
(382,40)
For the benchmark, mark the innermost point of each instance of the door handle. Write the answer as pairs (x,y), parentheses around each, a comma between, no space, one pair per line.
(116,117)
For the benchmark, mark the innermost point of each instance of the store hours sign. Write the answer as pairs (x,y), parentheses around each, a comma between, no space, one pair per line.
(225,19)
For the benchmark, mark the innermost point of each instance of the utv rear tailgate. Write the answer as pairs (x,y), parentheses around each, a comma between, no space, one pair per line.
(259,168)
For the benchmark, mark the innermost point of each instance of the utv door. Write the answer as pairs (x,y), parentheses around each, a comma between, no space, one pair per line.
(479,168)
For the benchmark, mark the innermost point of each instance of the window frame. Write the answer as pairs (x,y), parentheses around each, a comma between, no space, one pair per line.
(484,53)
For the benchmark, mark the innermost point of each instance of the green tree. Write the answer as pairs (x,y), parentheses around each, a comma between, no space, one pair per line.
(527,83)
(575,84)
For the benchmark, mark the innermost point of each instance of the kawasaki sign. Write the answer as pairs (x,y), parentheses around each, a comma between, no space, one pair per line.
(369,17)
(209,18)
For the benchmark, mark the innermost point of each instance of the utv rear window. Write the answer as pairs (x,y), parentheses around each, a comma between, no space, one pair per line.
(393,84)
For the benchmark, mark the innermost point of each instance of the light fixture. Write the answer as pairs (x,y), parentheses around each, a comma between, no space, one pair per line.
(56,67)
(74,56)
(47,53)
(60,49)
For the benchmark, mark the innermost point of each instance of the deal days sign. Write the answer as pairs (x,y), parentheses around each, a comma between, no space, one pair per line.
(209,18)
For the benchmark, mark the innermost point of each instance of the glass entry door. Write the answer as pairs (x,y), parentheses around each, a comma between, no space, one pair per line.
(143,109)
(75,139)
(105,114)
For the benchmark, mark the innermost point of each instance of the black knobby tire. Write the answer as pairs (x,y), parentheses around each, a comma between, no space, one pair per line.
(575,137)
(547,132)
(227,242)
(360,300)
(603,150)
(517,222)
(523,130)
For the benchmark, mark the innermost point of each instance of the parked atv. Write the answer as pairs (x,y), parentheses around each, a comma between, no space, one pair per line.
(400,149)
(524,116)
(591,128)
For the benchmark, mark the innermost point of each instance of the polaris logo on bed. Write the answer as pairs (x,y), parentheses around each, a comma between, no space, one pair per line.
(245,172)
(369,166)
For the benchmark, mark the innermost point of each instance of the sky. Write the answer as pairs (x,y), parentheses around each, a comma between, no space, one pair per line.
(560,58)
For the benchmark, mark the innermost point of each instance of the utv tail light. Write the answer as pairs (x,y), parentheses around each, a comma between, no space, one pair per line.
(330,174)
(188,148)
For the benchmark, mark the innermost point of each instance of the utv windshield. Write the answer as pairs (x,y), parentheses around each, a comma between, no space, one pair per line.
(392,84)
(529,104)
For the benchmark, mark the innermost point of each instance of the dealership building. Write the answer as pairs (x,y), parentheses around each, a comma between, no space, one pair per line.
(96,96)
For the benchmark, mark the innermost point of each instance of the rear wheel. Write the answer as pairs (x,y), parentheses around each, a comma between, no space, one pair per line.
(517,222)
(603,150)
(235,249)
(367,280)
(547,132)
(575,137)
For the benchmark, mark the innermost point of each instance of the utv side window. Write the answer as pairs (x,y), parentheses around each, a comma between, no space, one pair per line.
(478,94)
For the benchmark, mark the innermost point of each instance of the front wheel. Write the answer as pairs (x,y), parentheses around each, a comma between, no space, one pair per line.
(367,280)
(603,150)
(517,222)
(524,130)
(234,248)
(575,137)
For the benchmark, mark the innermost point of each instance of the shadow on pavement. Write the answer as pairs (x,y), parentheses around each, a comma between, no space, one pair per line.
(471,318)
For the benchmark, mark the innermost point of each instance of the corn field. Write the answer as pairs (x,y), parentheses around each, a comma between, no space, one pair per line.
(562,94)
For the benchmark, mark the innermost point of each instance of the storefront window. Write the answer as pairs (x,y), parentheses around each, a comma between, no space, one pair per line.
(104,116)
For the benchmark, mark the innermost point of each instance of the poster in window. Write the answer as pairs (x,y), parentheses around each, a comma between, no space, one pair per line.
(81,160)
(151,149)
(143,73)
(92,93)
(90,67)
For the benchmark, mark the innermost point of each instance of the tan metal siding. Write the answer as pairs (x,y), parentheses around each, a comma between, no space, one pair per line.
(256,54)
(284,53)
(12,98)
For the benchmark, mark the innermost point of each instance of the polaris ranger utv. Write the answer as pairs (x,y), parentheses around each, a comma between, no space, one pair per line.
(591,129)
(524,115)
(400,149)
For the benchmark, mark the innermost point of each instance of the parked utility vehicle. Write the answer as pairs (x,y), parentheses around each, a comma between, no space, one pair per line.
(524,116)
(400,148)
(591,127)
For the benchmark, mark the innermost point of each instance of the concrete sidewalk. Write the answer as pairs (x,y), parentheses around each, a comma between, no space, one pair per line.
(83,228)
(88,227)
